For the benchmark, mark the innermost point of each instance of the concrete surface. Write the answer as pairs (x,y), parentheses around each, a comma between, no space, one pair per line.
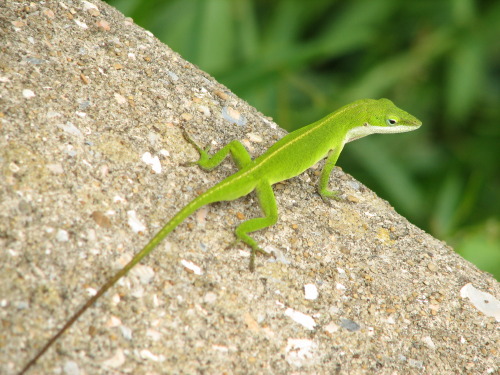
(92,165)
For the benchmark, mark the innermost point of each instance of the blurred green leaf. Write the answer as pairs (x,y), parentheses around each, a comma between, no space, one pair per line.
(481,245)
(391,175)
(465,77)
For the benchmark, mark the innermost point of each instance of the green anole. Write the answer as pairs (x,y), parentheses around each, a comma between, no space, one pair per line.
(287,158)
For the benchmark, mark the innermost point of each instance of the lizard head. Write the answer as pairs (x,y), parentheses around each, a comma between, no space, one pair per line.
(382,116)
(394,119)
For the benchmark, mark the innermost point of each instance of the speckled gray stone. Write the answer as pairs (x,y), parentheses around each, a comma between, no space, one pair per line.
(85,95)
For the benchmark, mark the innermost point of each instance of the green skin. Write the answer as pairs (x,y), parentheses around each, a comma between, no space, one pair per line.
(287,158)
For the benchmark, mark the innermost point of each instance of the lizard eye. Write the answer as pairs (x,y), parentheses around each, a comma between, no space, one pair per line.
(391,121)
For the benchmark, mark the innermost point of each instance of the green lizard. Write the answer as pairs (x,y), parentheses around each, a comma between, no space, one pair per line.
(287,158)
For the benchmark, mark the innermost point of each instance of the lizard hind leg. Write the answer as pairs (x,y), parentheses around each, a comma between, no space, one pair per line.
(206,161)
(267,202)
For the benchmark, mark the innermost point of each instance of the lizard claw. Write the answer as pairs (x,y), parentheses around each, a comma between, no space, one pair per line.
(330,194)
(202,151)
(254,250)
(188,164)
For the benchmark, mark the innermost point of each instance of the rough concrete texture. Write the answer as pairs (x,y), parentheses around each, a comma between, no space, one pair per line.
(93,164)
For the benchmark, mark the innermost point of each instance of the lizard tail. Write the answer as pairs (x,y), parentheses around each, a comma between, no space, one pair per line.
(201,200)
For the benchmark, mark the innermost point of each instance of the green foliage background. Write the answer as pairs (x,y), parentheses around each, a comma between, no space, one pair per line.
(297,60)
